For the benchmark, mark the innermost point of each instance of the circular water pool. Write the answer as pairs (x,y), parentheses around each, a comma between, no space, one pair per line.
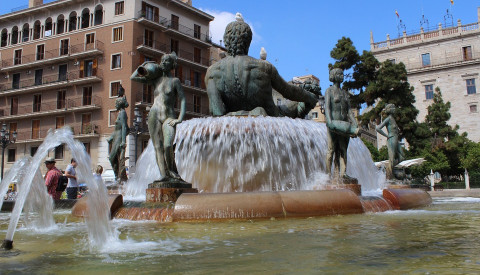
(441,239)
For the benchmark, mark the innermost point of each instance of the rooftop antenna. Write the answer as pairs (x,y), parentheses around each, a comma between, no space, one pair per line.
(401,28)
(424,22)
(448,18)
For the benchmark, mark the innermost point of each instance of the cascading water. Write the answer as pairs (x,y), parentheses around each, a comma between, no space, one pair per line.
(14,174)
(39,201)
(239,154)
(100,230)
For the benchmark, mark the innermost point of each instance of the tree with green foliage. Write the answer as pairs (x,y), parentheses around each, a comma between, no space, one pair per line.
(472,159)
(373,150)
(445,148)
(377,84)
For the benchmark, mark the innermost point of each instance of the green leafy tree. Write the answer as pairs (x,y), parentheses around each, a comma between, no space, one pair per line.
(472,159)
(377,84)
(373,150)
(445,149)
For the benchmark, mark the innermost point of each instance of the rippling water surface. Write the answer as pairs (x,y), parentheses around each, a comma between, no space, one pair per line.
(440,239)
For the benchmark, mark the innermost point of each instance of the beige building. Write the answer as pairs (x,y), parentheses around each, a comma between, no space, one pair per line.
(448,58)
(63,62)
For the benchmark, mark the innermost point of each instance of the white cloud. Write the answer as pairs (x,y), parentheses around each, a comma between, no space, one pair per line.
(218,25)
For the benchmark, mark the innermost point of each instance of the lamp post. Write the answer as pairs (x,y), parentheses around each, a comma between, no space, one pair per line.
(137,128)
(5,141)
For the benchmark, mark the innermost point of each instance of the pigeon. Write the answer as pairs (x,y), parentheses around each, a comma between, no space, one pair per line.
(239,17)
(263,54)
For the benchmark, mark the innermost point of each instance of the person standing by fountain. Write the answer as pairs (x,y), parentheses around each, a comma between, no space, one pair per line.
(118,140)
(162,121)
(71,174)
(341,124)
(395,152)
(51,179)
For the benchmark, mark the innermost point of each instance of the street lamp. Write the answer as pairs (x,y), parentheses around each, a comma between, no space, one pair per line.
(5,141)
(137,128)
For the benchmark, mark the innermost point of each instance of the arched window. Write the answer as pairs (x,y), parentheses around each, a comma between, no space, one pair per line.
(98,15)
(25,32)
(85,18)
(72,21)
(4,38)
(14,35)
(60,24)
(48,27)
(36,30)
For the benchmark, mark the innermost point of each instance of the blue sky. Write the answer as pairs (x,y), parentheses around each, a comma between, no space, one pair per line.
(299,35)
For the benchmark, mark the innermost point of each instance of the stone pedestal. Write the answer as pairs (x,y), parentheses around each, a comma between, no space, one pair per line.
(168,191)
(346,183)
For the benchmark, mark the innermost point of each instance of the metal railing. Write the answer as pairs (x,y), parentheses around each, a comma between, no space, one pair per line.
(446,59)
(173,25)
(49,106)
(49,79)
(78,129)
(426,34)
(54,53)
(163,47)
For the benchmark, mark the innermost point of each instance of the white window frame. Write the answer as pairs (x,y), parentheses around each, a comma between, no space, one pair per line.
(111,61)
(110,117)
(113,34)
(110,88)
(60,45)
(114,6)
(36,51)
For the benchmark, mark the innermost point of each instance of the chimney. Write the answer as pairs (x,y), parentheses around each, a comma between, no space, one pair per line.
(478,14)
(188,2)
(34,3)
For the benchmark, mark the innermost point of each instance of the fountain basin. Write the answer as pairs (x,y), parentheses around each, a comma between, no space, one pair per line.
(403,199)
(80,209)
(271,204)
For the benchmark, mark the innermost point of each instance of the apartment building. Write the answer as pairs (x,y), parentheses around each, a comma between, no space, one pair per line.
(448,58)
(62,63)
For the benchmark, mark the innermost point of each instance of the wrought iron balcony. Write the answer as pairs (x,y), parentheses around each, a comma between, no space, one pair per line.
(53,56)
(78,129)
(51,81)
(156,47)
(173,26)
(51,107)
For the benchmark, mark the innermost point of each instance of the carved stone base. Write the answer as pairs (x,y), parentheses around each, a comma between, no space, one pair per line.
(346,183)
(170,183)
(168,191)
(156,195)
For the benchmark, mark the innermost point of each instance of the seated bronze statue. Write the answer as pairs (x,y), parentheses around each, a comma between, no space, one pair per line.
(240,84)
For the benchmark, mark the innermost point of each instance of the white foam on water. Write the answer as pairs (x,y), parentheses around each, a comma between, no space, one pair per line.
(455,199)
(239,154)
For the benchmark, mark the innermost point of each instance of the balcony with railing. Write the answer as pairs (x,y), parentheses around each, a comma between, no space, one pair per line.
(79,130)
(53,56)
(144,100)
(156,47)
(52,81)
(425,35)
(443,61)
(51,108)
(153,20)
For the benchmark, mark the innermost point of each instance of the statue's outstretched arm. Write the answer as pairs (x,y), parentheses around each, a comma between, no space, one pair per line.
(290,91)
(216,105)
